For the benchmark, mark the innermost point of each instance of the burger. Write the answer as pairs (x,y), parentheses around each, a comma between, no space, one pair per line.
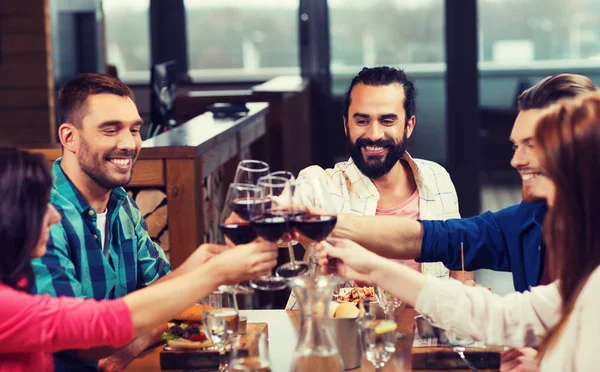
(186,330)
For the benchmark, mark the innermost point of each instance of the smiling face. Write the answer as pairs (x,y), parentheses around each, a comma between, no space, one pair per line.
(377,128)
(526,159)
(109,140)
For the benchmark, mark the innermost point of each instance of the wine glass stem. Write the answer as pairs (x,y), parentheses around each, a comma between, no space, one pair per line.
(222,361)
(291,250)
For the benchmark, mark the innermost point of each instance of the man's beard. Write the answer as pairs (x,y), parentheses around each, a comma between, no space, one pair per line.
(374,167)
(96,170)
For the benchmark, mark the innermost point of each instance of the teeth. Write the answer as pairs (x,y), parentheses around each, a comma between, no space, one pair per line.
(123,162)
(374,148)
(529,176)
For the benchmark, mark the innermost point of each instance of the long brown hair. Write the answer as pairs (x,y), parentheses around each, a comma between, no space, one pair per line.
(568,137)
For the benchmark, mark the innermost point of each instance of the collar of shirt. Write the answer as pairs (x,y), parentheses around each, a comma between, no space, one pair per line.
(65,187)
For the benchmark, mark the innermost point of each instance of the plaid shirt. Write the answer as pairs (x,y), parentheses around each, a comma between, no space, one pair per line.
(351,192)
(74,264)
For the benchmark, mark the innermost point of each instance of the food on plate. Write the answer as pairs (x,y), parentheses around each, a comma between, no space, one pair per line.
(346,310)
(333,306)
(355,294)
(186,330)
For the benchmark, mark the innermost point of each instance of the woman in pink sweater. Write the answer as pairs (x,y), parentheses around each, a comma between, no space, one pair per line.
(32,327)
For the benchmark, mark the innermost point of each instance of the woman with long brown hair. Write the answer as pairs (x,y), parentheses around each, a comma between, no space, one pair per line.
(561,318)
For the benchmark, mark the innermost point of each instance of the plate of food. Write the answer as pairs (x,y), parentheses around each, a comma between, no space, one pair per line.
(356,294)
(186,330)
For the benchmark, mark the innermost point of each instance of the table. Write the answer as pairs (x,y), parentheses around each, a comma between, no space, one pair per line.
(283,335)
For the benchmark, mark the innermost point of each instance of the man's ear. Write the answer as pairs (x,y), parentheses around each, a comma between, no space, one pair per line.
(345,125)
(410,126)
(69,137)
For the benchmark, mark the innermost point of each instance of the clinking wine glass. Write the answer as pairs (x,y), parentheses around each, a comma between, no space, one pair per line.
(269,225)
(292,268)
(249,171)
(221,325)
(242,201)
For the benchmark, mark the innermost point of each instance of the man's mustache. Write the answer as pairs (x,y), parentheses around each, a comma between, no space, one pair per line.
(379,143)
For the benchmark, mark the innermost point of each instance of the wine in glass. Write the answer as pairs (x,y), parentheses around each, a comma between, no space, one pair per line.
(292,268)
(249,171)
(221,325)
(269,225)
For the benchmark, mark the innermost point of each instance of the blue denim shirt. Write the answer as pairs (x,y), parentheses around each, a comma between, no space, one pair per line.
(507,240)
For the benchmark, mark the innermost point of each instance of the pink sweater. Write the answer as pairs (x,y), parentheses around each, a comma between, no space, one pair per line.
(33,327)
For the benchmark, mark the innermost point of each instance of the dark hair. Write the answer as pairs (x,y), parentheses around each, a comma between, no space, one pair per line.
(25,184)
(384,75)
(71,98)
(554,88)
(569,144)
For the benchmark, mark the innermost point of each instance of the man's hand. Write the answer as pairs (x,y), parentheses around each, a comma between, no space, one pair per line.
(205,252)
(519,360)
(116,362)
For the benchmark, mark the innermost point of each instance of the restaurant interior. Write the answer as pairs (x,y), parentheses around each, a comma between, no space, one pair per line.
(221,81)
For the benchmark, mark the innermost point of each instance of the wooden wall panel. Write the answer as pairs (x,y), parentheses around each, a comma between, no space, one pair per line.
(26,78)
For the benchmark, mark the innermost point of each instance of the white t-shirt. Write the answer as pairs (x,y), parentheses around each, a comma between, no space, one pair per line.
(101,222)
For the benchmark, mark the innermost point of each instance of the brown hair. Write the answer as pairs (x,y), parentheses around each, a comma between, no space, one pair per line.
(568,137)
(72,97)
(554,88)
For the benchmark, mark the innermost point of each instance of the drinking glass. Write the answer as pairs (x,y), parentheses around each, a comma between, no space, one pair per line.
(242,202)
(259,362)
(221,325)
(292,268)
(269,224)
(378,337)
(249,171)
(389,303)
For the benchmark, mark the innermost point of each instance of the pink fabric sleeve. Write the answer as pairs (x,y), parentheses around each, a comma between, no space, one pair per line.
(30,323)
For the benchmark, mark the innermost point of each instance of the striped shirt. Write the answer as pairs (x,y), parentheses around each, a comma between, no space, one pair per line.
(74,264)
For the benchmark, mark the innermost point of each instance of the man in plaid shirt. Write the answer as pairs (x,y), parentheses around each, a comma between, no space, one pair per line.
(381,178)
(101,249)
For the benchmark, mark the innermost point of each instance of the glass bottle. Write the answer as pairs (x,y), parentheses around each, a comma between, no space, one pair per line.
(316,350)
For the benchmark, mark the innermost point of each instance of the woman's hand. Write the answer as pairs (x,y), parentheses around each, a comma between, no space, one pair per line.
(245,262)
(347,259)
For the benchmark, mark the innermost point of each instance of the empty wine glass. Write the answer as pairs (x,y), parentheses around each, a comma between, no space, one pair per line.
(389,303)
(378,337)
(249,171)
(269,224)
(221,325)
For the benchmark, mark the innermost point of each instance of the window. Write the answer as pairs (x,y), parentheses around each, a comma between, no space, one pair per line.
(546,32)
(242,40)
(408,34)
(127,36)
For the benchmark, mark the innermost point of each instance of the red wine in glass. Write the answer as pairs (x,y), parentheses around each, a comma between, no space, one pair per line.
(248,207)
(271,227)
(239,232)
(315,227)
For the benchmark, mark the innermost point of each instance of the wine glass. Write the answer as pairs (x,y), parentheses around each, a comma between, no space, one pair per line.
(249,171)
(221,325)
(269,225)
(240,361)
(377,336)
(292,268)
(389,303)
(241,203)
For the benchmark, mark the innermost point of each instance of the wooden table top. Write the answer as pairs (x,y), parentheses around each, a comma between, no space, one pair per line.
(283,327)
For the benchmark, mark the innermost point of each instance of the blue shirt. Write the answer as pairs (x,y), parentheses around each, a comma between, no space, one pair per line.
(74,264)
(507,240)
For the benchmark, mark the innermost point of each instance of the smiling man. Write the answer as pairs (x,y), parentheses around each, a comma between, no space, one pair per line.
(381,178)
(101,248)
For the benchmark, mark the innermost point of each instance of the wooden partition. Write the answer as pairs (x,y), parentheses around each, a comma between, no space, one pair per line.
(26,80)
(191,164)
(287,144)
